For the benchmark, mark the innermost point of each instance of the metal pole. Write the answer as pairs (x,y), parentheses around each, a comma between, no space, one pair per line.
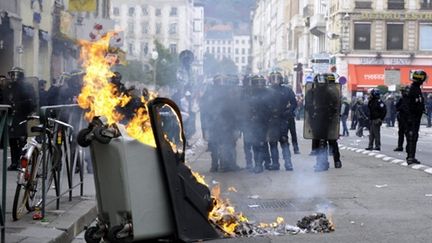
(4,132)
(154,73)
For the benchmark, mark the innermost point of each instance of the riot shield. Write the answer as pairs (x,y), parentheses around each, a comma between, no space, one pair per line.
(322,111)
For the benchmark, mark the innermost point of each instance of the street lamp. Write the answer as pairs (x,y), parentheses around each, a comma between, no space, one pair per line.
(154,57)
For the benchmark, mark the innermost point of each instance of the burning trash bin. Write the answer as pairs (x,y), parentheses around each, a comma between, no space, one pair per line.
(146,192)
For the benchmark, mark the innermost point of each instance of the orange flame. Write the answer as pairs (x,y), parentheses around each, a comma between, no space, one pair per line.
(101,98)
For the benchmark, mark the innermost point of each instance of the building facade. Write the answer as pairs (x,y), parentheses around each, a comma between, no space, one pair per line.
(143,22)
(379,42)
(371,43)
(198,38)
(227,44)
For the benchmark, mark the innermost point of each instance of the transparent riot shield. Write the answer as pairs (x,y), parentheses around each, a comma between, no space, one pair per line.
(322,111)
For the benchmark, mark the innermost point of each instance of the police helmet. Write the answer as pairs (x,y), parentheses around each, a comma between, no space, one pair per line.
(16,74)
(232,80)
(375,93)
(276,78)
(258,80)
(116,78)
(418,76)
(247,80)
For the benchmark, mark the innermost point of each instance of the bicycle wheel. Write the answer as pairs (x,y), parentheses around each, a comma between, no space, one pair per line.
(22,192)
(35,194)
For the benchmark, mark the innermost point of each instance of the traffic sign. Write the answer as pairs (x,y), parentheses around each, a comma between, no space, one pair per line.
(309,78)
(342,80)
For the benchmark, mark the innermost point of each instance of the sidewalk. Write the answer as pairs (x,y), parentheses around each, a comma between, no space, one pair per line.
(59,225)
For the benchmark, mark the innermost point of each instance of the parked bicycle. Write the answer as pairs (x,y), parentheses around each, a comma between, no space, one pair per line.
(28,193)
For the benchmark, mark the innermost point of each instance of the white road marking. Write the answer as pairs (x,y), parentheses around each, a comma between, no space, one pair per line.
(387,158)
(429,171)
(379,156)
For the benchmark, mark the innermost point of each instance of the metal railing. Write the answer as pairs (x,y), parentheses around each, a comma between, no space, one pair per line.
(70,151)
(4,137)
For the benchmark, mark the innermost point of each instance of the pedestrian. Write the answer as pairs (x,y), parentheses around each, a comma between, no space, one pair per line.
(362,114)
(391,110)
(43,93)
(20,96)
(429,110)
(300,107)
(414,111)
(353,108)
(402,117)
(345,109)
(3,83)
(289,115)
(377,112)
(282,106)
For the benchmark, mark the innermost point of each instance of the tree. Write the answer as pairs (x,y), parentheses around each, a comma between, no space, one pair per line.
(166,66)
(133,71)
(212,66)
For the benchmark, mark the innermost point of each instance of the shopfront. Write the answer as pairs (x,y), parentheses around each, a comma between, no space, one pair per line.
(363,77)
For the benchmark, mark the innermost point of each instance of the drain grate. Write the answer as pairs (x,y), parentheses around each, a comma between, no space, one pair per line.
(273,204)
(287,205)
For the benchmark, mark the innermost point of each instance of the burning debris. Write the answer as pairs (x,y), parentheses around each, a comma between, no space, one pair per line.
(316,223)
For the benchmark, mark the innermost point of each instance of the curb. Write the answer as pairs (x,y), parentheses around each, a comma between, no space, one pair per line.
(77,218)
(387,158)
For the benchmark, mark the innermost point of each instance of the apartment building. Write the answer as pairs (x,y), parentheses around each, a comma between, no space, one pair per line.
(143,22)
(227,44)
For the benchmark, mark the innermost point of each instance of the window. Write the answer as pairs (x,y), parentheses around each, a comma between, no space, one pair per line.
(197,26)
(236,59)
(213,50)
(144,48)
(131,28)
(237,51)
(144,10)
(425,41)
(223,49)
(243,60)
(208,49)
(173,29)
(208,42)
(229,49)
(236,41)
(173,11)
(130,48)
(131,12)
(116,11)
(173,48)
(243,51)
(145,27)
(158,12)
(395,36)
(426,4)
(243,41)
(363,4)
(396,4)
(362,36)
(218,49)
(158,28)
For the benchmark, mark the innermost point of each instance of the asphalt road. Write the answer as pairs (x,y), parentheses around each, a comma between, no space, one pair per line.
(370,200)
(389,137)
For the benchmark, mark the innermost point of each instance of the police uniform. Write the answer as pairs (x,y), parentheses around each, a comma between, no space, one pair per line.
(377,112)
(416,108)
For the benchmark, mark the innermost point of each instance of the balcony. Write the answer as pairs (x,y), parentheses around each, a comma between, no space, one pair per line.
(317,25)
(363,4)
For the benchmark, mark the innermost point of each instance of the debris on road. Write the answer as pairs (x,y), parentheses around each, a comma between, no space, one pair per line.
(254,196)
(381,186)
(316,223)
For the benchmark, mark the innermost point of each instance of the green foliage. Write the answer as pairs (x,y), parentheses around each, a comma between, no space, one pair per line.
(212,66)
(133,71)
(166,66)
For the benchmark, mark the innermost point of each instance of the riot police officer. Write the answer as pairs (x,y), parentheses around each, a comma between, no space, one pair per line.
(244,119)
(322,109)
(20,96)
(416,108)
(402,116)
(259,121)
(281,106)
(377,112)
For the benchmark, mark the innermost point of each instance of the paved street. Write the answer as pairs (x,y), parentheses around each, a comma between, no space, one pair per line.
(370,200)
(389,136)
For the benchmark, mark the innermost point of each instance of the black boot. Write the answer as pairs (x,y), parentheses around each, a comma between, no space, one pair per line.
(338,164)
